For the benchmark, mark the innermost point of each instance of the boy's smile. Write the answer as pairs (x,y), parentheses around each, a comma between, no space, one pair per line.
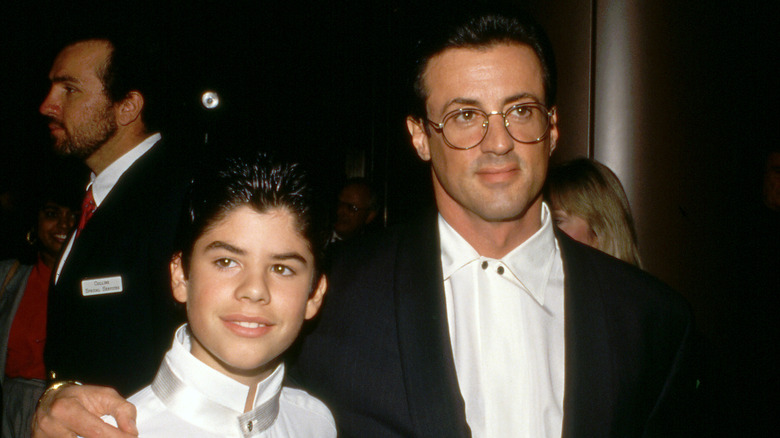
(248,291)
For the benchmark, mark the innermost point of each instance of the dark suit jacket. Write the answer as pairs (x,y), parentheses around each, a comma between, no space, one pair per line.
(119,339)
(380,354)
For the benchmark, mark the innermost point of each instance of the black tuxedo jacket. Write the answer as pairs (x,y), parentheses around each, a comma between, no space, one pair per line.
(380,355)
(119,339)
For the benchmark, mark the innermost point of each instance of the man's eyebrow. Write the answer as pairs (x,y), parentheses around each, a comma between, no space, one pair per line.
(460,101)
(475,102)
(522,96)
(290,256)
(58,79)
(218,244)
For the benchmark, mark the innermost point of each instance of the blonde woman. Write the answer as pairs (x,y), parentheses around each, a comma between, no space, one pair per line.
(589,204)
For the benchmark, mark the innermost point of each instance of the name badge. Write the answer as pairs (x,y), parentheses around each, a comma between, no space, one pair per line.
(101,286)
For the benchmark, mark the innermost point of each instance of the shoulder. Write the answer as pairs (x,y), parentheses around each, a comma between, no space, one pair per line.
(624,291)
(374,255)
(7,265)
(146,403)
(305,414)
(580,259)
(153,418)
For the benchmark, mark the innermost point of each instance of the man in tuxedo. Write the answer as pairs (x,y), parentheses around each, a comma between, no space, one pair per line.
(480,318)
(110,312)
(485,320)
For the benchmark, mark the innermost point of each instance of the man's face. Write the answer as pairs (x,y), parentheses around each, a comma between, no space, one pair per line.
(353,210)
(81,116)
(500,179)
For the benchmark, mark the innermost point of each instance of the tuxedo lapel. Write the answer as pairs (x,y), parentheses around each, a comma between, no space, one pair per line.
(112,217)
(435,403)
(589,401)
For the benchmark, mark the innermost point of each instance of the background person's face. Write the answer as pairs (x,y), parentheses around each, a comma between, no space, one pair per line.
(81,117)
(575,227)
(54,223)
(352,210)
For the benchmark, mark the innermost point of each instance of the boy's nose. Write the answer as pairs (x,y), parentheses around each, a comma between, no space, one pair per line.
(254,288)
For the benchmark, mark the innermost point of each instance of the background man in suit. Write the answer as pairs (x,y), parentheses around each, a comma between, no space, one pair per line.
(110,313)
(481,320)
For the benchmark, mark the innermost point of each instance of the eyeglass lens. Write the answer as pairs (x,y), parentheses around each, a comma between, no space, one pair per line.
(467,127)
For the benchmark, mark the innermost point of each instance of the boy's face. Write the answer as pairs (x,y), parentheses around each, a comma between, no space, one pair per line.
(248,291)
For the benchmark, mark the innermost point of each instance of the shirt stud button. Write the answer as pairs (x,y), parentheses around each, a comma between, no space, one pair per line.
(484,265)
(500,270)
(249,426)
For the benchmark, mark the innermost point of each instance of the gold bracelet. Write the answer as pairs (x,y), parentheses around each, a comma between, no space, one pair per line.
(54,387)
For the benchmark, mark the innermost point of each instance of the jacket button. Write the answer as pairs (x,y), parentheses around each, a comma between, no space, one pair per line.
(52,375)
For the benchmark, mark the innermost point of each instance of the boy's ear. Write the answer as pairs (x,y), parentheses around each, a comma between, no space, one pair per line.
(315,300)
(178,279)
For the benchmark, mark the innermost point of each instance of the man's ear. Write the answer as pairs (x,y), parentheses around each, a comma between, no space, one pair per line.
(554,130)
(129,109)
(315,299)
(419,137)
(178,279)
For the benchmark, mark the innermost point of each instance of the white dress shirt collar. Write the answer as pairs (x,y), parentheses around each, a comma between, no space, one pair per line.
(211,400)
(529,263)
(103,183)
(506,325)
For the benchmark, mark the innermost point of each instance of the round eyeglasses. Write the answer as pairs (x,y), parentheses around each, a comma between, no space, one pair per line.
(465,128)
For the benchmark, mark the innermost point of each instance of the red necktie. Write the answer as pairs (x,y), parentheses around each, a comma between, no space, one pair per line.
(87,209)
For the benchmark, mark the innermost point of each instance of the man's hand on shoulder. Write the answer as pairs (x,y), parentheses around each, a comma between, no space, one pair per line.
(75,409)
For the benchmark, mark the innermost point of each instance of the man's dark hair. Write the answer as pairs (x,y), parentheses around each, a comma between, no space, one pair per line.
(255,180)
(482,26)
(134,64)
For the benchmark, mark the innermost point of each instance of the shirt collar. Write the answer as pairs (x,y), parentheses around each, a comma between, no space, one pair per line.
(530,263)
(211,400)
(103,183)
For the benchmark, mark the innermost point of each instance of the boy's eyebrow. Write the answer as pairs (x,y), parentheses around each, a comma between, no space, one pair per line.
(290,256)
(226,246)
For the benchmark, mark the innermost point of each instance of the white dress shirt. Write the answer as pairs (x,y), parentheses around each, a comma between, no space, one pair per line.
(506,325)
(190,399)
(103,183)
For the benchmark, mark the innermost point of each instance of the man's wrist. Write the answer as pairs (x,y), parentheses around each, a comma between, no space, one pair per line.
(53,388)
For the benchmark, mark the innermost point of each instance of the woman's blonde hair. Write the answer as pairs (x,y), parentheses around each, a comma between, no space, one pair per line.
(590,190)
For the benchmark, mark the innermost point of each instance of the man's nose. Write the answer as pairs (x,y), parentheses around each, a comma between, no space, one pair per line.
(497,139)
(49,107)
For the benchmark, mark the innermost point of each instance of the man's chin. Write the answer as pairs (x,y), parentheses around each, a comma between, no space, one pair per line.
(62,148)
(66,149)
